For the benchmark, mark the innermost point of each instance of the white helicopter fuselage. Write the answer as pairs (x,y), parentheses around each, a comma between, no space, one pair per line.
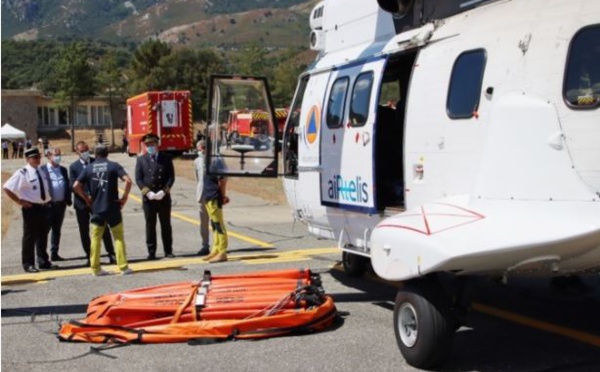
(453,137)
(489,162)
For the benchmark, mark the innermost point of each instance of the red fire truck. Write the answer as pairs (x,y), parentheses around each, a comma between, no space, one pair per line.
(167,114)
(251,126)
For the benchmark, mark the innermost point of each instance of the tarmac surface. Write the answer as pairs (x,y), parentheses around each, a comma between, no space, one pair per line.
(522,326)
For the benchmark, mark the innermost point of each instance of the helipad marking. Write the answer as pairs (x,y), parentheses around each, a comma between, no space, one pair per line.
(196,222)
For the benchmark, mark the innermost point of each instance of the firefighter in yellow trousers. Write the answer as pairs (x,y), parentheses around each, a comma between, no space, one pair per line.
(214,196)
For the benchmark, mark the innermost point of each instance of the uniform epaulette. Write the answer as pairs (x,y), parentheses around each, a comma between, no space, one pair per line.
(23,170)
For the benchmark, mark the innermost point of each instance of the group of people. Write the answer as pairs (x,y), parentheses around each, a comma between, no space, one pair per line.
(91,186)
(18,148)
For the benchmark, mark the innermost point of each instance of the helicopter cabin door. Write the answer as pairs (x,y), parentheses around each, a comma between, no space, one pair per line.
(347,141)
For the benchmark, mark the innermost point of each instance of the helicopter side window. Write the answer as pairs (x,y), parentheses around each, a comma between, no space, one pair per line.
(581,89)
(361,95)
(337,101)
(465,84)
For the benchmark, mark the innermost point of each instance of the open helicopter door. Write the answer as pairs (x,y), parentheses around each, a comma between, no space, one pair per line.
(347,141)
(256,156)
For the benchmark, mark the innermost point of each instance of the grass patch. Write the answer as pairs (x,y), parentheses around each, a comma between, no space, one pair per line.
(87,135)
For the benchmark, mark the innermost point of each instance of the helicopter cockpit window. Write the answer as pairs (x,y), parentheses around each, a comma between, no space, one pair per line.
(361,95)
(582,76)
(337,101)
(465,84)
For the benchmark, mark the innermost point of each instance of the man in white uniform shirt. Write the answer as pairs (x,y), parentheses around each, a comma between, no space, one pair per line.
(199,168)
(30,190)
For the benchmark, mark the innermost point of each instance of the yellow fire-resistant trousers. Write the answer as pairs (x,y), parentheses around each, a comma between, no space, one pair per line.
(218,226)
(120,250)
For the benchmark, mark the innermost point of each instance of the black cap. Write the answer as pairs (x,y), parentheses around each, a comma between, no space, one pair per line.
(32,152)
(150,138)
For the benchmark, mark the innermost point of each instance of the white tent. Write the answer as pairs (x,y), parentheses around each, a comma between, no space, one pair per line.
(8,132)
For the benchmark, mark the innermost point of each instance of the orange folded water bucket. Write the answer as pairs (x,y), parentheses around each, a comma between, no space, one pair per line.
(215,308)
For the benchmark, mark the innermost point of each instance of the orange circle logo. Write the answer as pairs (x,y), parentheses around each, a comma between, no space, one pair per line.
(313,125)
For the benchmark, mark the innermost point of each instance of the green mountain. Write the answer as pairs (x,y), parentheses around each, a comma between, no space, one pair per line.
(223,23)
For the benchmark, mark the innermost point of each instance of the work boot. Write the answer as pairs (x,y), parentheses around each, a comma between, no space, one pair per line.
(204,251)
(112,260)
(212,255)
(221,257)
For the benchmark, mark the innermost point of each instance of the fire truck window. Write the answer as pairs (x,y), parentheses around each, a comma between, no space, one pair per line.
(337,101)
(361,96)
(582,76)
(465,84)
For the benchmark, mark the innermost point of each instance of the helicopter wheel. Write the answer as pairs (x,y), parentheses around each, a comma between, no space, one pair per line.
(354,264)
(423,323)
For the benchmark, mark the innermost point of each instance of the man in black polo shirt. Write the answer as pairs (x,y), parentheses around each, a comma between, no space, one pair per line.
(82,211)
(102,177)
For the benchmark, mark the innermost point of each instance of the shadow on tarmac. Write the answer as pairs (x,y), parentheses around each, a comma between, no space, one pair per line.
(45,310)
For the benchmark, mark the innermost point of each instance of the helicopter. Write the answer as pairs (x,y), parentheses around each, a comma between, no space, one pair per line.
(436,140)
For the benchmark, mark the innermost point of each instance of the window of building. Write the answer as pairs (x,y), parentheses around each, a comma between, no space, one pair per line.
(82,115)
(107,118)
(94,116)
(40,116)
(63,117)
(581,88)
(337,102)
(465,84)
(51,115)
(361,96)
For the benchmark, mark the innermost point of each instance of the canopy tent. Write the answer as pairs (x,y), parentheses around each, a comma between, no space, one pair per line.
(9,132)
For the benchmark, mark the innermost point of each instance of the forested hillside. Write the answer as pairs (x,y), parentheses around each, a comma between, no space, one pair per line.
(191,21)
(67,70)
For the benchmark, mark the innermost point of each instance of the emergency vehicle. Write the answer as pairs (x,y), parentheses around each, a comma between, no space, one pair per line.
(252,126)
(167,114)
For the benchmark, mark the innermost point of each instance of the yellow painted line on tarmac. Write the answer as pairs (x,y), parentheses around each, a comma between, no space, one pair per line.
(196,222)
(537,324)
(166,264)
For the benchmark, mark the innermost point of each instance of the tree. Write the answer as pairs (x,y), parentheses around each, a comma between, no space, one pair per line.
(73,78)
(146,71)
(251,61)
(187,69)
(110,81)
(285,78)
